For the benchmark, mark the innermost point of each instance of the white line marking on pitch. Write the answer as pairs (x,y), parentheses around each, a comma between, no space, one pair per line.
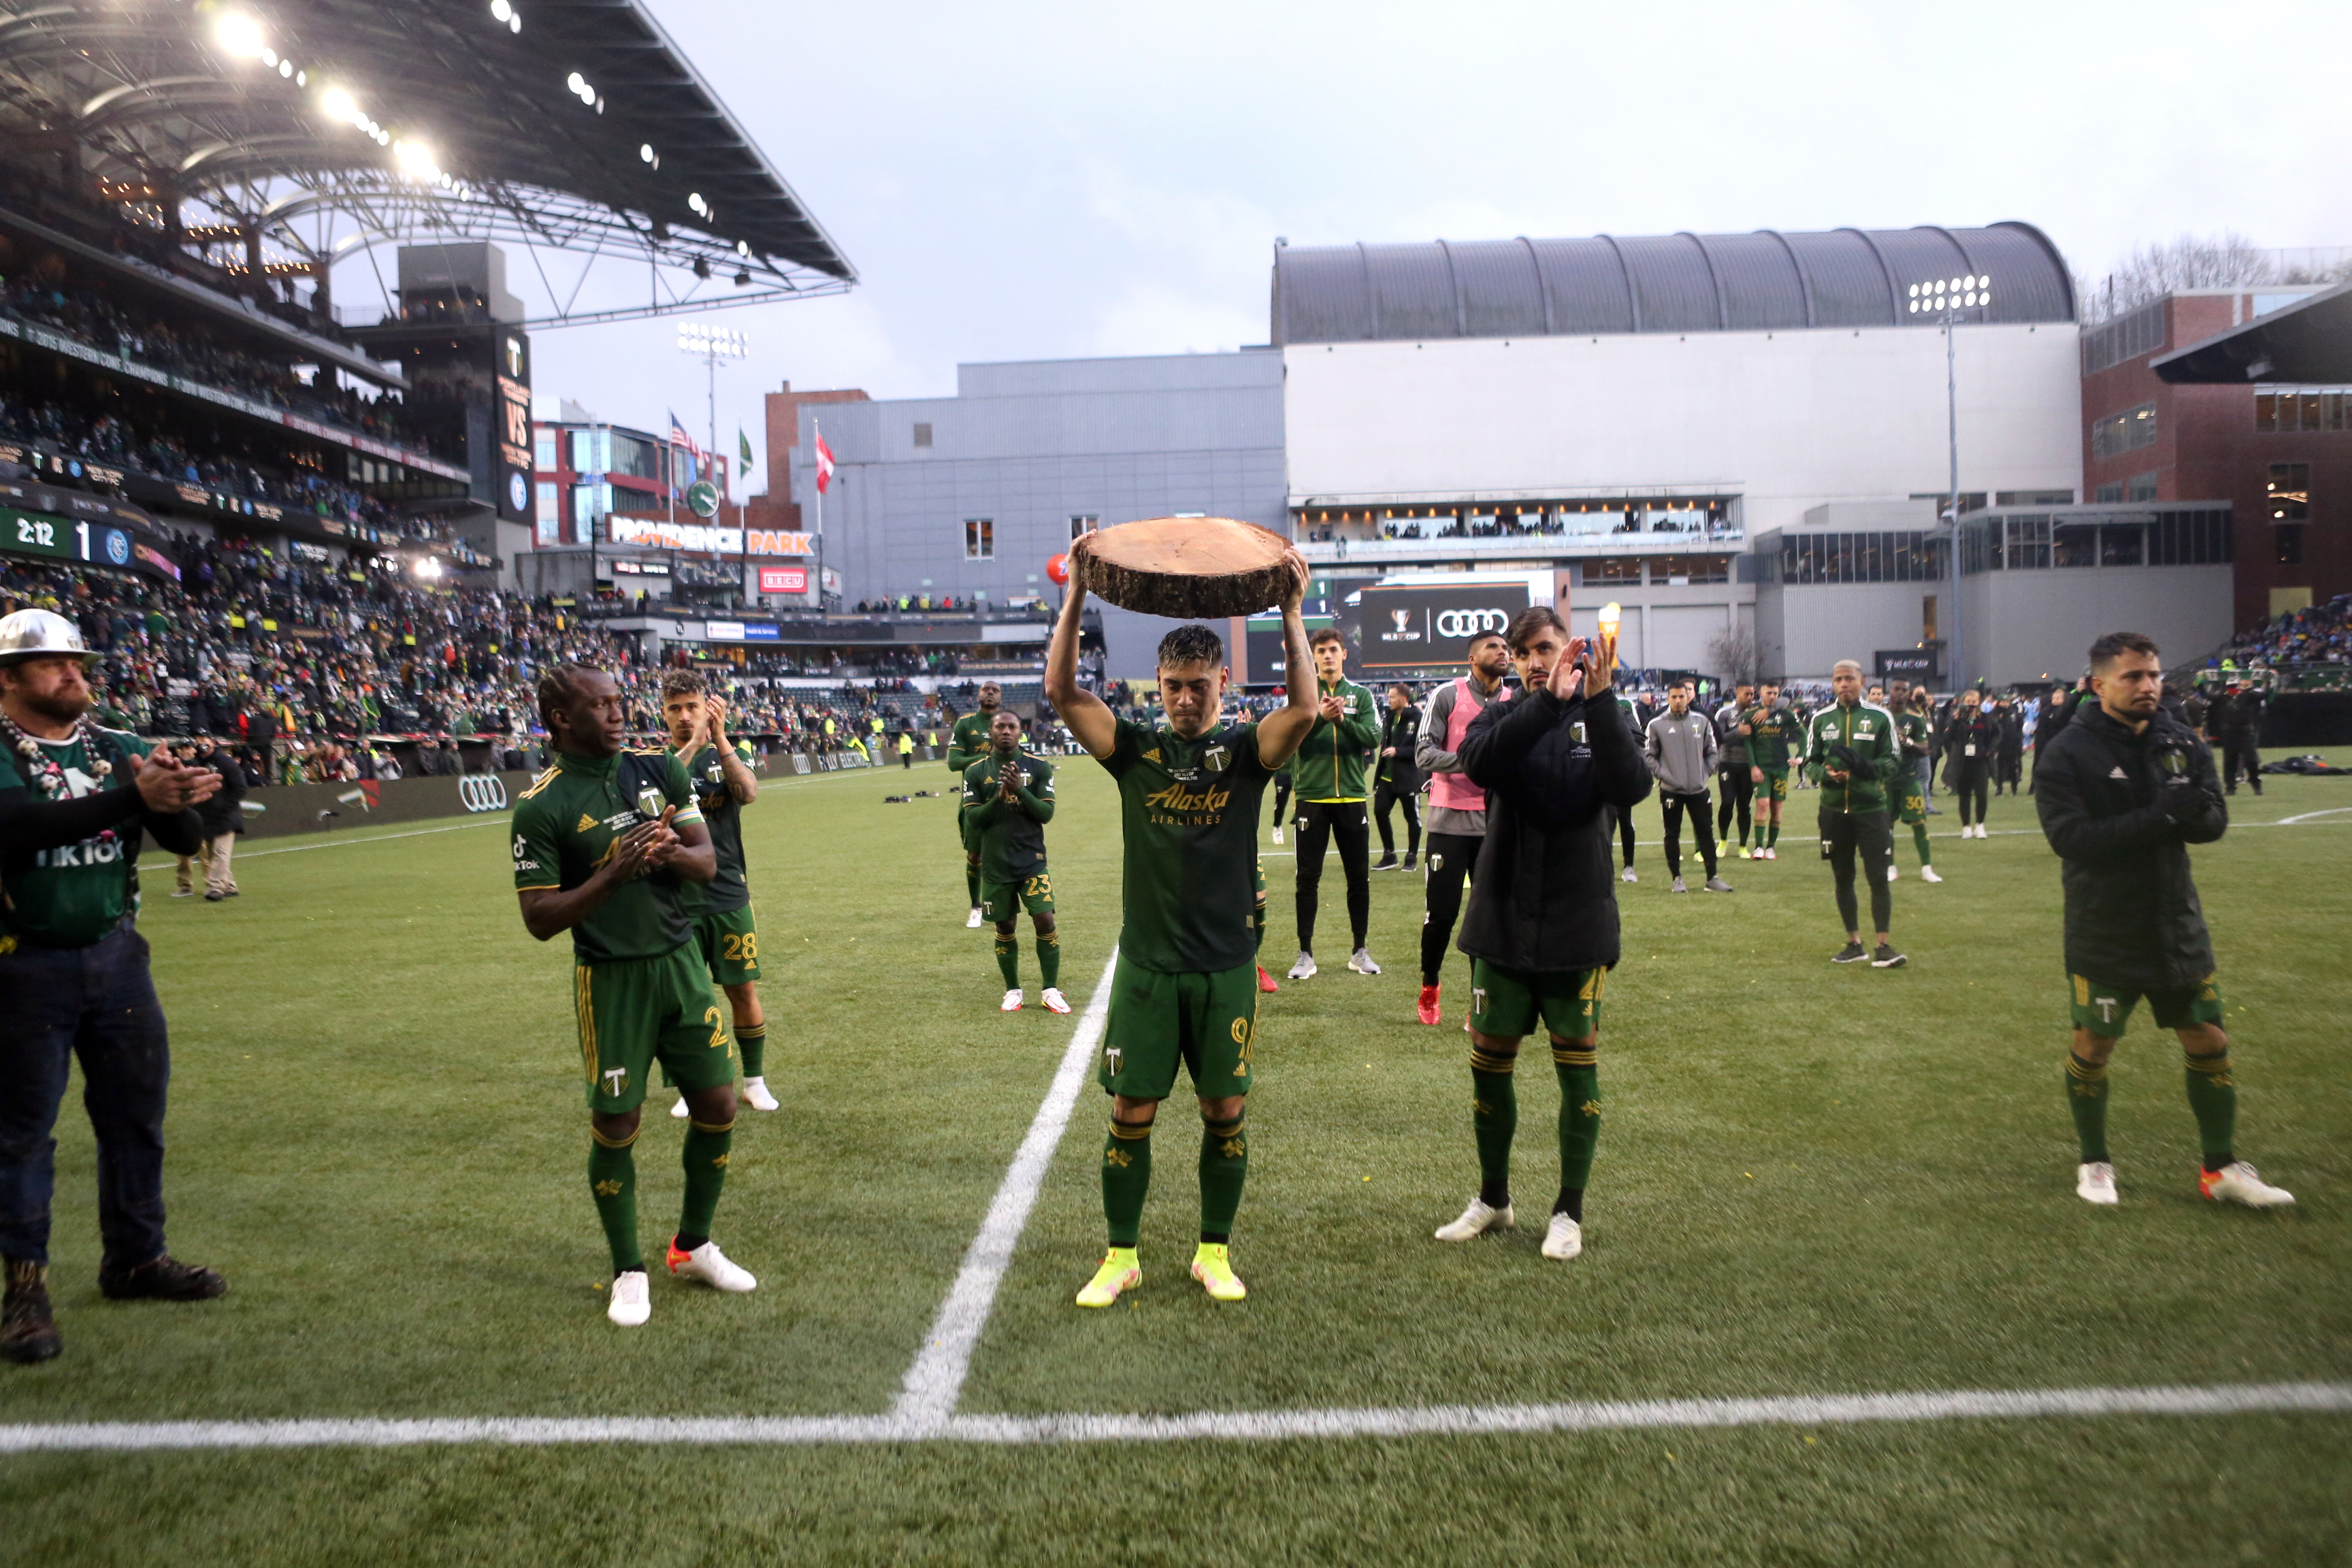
(928,1395)
(1254,1426)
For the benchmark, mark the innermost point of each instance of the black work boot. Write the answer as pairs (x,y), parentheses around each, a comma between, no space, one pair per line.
(164,1279)
(28,1331)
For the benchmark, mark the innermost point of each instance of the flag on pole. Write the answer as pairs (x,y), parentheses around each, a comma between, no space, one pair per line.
(742,451)
(824,464)
(678,437)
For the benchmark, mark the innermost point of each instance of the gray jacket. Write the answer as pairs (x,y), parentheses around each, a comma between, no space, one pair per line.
(1681,753)
(1430,756)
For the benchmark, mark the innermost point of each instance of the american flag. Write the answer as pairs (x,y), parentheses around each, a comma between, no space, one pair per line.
(678,437)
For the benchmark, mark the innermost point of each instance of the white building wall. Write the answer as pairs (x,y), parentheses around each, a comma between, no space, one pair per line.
(1789,420)
(2038,626)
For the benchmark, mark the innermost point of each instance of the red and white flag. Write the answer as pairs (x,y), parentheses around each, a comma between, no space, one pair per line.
(824,464)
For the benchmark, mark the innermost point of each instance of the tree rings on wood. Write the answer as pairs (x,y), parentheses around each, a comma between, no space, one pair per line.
(1189,568)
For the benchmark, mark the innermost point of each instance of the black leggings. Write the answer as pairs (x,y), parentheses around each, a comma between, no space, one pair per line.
(1451,858)
(1342,821)
(2240,754)
(1701,829)
(1738,790)
(1970,782)
(1383,797)
(1625,832)
(1281,797)
(1842,833)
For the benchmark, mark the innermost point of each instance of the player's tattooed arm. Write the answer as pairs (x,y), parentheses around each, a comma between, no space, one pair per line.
(1280,732)
(741,783)
(1091,723)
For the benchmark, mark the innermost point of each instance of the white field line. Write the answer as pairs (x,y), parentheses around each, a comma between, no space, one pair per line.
(1260,1426)
(928,1395)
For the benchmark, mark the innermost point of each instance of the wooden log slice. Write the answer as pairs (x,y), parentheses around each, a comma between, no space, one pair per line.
(1189,568)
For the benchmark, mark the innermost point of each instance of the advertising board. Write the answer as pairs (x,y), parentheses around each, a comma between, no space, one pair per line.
(1425,626)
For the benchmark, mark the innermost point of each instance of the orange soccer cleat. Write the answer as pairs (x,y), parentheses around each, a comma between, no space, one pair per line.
(1266,980)
(1428,1009)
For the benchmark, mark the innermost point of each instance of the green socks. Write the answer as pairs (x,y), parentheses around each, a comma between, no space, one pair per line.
(1225,1166)
(1774,842)
(1049,959)
(705,1172)
(1580,1112)
(1257,927)
(1008,959)
(612,1178)
(1126,1177)
(2087,1093)
(1919,837)
(971,881)
(2213,1096)
(1494,1119)
(752,1041)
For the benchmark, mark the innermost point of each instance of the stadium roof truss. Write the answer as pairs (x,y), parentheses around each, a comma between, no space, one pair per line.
(286,135)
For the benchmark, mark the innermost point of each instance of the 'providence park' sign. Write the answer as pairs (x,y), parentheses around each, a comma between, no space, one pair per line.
(705,539)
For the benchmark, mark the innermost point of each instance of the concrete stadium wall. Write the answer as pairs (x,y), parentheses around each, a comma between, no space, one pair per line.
(2032,625)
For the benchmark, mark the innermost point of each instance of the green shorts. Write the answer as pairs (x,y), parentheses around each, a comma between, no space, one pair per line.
(730,944)
(1505,1003)
(1910,806)
(1776,782)
(966,835)
(1001,901)
(1206,1018)
(2105,1009)
(634,1011)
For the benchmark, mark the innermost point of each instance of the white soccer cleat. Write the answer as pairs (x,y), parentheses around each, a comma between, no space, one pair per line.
(712,1267)
(974,923)
(2094,1182)
(1475,1221)
(1772,852)
(1012,1002)
(1928,874)
(1894,872)
(680,1111)
(1305,968)
(2236,1183)
(1360,961)
(632,1299)
(1627,875)
(1055,1000)
(756,1095)
(1277,836)
(1563,1238)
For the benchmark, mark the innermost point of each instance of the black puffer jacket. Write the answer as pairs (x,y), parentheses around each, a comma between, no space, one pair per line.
(1544,896)
(2121,810)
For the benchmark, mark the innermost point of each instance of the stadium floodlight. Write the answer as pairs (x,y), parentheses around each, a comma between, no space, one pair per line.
(417,161)
(502,9)
(238,35)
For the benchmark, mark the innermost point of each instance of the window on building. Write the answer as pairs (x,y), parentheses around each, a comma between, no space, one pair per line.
(2286,543)
(2289,492)
(542,451)
(2284,410)
(2074,544)
(2126,432)
(1926,618)
(2112,491)
(922,435)
(978,538)
(548,521)
(590,502)
(592,451)
(2029,544)
(2033,497)
(2140,487)
(1678,569)
(2119,544)
(2128,336)
(1621,569)
(1892,556)
(1084,522)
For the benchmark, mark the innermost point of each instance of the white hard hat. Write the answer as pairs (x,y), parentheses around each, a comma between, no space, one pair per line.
(35,634)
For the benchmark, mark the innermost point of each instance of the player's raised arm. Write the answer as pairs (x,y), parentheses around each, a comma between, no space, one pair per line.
(1281,733)
(1091,722)
(741,783)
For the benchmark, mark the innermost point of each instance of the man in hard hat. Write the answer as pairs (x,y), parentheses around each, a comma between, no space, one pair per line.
(76,801)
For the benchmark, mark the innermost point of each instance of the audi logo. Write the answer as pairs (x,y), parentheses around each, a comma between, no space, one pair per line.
(1470,623)
(483,792)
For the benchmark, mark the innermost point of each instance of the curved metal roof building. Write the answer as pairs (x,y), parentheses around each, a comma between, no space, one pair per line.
(1672,283)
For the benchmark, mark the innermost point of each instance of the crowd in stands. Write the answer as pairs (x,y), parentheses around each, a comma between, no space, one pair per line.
(947,604)
(2319,634)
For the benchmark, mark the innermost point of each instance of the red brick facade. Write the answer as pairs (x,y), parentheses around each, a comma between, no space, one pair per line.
(777,508)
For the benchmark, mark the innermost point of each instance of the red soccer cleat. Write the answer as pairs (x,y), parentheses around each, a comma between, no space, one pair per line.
(1428,1010)
(1266,980)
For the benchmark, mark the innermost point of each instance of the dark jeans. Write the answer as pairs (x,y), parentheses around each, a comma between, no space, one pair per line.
(1869,831)
(1383,797)
(1701,829)
(1971,780)
(1341,822)
(1451,857)
(1281,797)
(2240,755)
(97,1002)
(1625,834)
(1738,790)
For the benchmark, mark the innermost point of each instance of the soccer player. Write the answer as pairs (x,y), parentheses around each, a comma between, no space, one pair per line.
(1330,770)
(1912,727)
(1542,933)
(967,743)
(726,930)
(601,842)
(1738,787)
(1457,808)
(1852,754)
(1183,989)
(1635,725)
(1396,782)
(2123,791)
(1008,798)
(1772,729)
(1679,749)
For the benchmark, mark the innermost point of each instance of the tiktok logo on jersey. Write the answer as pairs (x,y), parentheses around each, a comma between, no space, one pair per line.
(106,851)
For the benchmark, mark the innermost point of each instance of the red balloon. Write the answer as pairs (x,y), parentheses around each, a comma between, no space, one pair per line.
(1057,568)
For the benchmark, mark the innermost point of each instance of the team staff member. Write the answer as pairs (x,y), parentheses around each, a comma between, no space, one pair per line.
(76,802)
(1731,750)
(1851,752)
(1680,748)
(1970,739)
(1542,933)
(1457,808)
(1395,780)
(2122,793)
(967,743)
(1330,777)
(2238,719)
(1772,730)
(2008,758)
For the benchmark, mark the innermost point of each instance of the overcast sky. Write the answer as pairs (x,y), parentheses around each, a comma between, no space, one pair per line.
(1035,180)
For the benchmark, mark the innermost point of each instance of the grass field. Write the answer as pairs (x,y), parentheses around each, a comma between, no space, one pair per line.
(1811,1181)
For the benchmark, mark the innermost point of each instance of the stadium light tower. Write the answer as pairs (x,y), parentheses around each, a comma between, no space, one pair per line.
(1949,302)
(711,344)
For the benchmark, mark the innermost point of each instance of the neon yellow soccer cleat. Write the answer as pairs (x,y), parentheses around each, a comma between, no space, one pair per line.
(1119,1273)
(1213,1266)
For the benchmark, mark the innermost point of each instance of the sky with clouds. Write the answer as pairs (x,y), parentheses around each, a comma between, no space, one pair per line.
(1032,179)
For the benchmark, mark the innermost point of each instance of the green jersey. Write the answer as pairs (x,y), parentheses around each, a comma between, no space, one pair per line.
(1012,833)
(1330,761)
(76,893)
(1911,728)
(565,826)
(731,889)
(1870,731)
(968,741)
(1188,814)
(1771,732)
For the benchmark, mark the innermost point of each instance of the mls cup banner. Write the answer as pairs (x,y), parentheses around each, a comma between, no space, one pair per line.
(1422,626)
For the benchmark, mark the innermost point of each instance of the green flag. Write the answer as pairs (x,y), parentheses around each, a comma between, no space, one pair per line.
(742,451)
